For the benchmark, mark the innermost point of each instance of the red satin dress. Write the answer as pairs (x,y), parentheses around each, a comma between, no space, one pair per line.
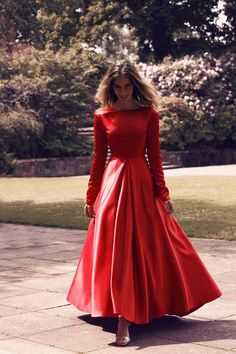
(137,261)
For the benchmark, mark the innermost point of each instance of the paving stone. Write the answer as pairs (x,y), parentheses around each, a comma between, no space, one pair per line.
(231,318)
(15,275)
(224,344)
(229,292)
(66,256)
(216,309)
(19,229)
(56,283)
(36,269)
(157,345)
(216,334)
(78,239)
(9,311)
(35,301)
(68,311)
(31,241)
(226,277)
(32,322)
(10,244)
(213,247)
(39,265)
(23,346)
(216,265)
(5,336)
(75,339)
(44,250)
(13,290)
(212,170)
(80,338)
(3,268)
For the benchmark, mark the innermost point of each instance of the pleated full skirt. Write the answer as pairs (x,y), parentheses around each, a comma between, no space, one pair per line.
(137,261)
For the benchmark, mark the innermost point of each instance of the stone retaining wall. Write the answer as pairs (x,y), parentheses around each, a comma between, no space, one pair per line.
(53,167)
(80,165)
(191,158)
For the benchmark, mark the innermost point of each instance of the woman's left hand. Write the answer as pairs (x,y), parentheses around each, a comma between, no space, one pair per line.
(170,206)
(89,211)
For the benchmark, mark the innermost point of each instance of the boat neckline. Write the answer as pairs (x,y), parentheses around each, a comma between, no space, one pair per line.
(125,110)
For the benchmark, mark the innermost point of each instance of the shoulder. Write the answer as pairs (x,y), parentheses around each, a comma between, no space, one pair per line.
(154,114)
(154,111)
(98,119)
(102,110)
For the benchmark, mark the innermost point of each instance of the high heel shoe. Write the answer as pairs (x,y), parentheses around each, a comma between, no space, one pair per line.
(122,340)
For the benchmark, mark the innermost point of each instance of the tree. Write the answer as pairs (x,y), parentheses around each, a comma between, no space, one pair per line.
(18,22)
(51,91)
(230,12)
(88,21)
(166,27)
(207,85)
(59,21)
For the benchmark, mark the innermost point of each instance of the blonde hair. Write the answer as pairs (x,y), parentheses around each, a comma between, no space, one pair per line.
(144,92)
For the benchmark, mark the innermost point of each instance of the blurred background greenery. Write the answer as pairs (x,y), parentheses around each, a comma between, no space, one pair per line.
(53,54)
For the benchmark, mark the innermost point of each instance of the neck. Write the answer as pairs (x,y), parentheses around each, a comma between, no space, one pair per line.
(126,105)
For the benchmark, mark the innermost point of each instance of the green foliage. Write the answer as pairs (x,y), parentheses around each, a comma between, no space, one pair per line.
(207,85)
(47,89)
(59,22)
(5,65)
(7,163)
(97,20)
(224,126)
(96,24)
(160,27)
(18,22)
(230,12)
(55,91)
(20,128)
(172,26)
(180,128)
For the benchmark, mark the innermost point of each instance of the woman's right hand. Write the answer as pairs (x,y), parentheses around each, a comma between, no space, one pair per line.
(89,211)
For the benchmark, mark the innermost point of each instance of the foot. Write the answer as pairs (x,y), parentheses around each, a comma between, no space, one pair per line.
(122,335)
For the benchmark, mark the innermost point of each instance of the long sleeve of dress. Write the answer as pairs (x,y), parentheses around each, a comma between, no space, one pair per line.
(98,162)
(154,157)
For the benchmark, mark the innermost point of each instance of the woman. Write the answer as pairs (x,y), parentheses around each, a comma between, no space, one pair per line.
(137,262)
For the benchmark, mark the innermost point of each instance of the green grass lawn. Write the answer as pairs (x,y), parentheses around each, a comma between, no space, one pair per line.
(205,206)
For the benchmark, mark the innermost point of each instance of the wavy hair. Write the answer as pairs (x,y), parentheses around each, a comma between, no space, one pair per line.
(144,92)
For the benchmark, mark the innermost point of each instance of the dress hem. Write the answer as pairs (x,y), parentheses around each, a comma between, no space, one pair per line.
(151,317)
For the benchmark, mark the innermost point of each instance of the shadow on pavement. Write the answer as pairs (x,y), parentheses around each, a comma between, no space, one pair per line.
(172,328)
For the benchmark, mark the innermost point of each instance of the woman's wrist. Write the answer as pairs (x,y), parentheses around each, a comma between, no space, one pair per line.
(169,205)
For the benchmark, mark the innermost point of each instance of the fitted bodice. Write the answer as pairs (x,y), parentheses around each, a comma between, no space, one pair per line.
(129,134)
(126,132)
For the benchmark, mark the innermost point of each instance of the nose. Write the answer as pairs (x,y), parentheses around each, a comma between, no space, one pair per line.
(123,91)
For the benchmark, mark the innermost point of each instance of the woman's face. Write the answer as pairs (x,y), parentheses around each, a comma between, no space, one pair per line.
(123,88)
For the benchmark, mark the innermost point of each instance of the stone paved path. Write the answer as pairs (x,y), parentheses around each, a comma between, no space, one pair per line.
(36,268)
(217,170)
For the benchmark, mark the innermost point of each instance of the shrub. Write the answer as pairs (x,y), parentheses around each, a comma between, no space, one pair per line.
(7,163)
(208,86)
(180,127)
(52,90)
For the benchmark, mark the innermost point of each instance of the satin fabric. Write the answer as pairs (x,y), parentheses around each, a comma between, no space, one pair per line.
(137,261)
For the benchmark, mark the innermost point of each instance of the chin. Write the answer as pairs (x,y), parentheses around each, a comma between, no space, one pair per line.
(125,98)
